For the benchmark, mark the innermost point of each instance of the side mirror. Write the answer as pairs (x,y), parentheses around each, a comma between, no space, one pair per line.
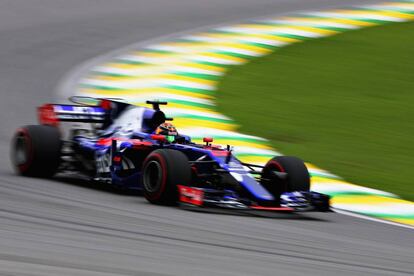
(156,104)
(207,140)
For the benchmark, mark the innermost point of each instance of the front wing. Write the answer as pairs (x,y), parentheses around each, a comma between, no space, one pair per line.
(226,199)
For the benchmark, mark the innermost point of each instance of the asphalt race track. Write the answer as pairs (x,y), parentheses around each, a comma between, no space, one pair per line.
(53,227)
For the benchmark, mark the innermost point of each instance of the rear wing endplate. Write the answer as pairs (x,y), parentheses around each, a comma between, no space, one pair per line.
(52,114)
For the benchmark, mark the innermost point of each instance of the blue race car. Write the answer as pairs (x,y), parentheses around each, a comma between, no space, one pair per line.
(135,147)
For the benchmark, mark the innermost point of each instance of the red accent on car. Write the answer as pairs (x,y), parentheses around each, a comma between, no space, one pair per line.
(207,139)
(105,141)
(190,195)
(277,165)
(219,152)
(117,158)
(47,115)
(136,143)
(106,104)
(279,209)
(158,137)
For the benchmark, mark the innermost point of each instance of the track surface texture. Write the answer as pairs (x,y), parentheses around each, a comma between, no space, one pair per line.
(53,227)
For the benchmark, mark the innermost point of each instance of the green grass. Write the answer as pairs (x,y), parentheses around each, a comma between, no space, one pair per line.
(344,103)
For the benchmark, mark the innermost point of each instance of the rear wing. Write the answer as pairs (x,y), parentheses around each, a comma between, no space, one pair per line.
(101,112)
(52,114)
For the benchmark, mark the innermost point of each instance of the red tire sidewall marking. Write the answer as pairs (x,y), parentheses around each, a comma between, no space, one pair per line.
(273,164)
(161,159)
(276,165)
(24,133)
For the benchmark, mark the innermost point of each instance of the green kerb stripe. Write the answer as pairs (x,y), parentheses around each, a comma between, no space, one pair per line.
(391,216)
(355,193)
(100,87)
(324,175)
(194,104)
(224,121)
(233,54)
(156,51)
(287,24)
(198,76)
(190,89)
(243,155)
(264,46)
(396,9)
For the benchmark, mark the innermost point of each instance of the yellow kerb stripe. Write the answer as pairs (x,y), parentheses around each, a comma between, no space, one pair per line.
(255,159)
(127,79)
(302,28)
(409,221)
(355,22)
(333,20)
(368,199)
(128,66)
(189,107)
(312,166)
(260,36)
(225,57)
(190,122)
(202,66)
(383,13)
(242,46)
(150,92)
(322,180)
(207,46)
(191,79)
(235,142)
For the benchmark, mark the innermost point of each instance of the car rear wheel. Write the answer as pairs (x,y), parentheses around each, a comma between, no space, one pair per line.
(36,150)
(163,170)
(296,179)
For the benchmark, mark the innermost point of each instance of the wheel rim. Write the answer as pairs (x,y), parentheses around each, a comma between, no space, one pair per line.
(153,176)
(21,155)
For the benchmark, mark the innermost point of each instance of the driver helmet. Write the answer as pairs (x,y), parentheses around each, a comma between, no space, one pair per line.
(166,129)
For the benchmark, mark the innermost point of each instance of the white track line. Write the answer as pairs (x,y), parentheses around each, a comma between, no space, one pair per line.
(351,214)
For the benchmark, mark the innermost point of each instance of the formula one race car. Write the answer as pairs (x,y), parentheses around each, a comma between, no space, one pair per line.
(135,147)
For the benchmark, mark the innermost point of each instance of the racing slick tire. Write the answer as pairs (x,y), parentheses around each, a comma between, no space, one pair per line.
(297,178)
(36,150)
(163,170)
